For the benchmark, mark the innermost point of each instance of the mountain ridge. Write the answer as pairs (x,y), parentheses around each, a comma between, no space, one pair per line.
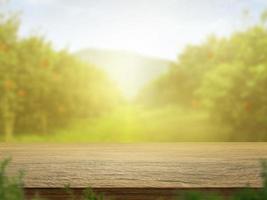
(130,70)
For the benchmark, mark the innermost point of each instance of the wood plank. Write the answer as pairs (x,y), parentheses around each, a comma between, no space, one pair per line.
(167,165)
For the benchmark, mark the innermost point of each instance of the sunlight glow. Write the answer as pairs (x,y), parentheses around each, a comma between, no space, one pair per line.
(156,28)
(130,71)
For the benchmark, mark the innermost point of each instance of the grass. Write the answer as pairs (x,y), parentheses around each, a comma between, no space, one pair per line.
(12,189)
(133,124)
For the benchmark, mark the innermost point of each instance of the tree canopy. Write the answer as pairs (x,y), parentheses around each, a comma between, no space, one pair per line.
(42,88)
(226,77)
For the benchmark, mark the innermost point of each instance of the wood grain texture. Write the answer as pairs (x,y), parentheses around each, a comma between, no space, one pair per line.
(168,165)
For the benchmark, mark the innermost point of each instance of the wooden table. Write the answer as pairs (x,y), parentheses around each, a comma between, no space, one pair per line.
(137,168)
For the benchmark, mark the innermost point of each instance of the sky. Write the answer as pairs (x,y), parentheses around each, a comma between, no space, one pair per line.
(159,28)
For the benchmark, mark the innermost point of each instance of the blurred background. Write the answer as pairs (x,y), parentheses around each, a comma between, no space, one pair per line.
(133,71)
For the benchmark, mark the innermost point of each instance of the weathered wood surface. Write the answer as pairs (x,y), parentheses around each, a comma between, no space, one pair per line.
(171,165)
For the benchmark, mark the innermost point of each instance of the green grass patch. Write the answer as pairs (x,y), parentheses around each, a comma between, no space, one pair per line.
(134,124)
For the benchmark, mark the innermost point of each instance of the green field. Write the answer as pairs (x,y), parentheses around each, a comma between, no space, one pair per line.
(133,124)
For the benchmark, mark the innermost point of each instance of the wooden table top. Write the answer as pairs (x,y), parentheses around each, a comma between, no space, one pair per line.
(166,165)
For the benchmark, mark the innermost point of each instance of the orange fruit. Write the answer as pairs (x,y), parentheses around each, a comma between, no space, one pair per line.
(248,106)
(9,84)
(61,109)
(22,93)
(210,55)
(3,47)
(195,103)
(44,63)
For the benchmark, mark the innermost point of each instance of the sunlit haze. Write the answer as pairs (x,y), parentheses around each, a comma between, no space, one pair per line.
(133,71)
(152,27)
(156,28)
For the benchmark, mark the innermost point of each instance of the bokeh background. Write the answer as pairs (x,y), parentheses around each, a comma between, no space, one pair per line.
(133,71)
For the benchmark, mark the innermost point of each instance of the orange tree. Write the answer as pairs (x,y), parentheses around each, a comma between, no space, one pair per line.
(36,63)
(57,88)
(9,104)
(42,89)
(234,90)
(227,77)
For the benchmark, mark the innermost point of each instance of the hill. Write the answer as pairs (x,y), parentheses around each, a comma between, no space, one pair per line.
(131,71)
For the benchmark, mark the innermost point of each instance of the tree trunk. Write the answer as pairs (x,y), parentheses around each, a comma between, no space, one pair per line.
(43,122)
(9,122)
(8,119)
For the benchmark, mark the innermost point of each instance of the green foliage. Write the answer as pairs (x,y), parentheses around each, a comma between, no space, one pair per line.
(226,77)
(10,188)
(42,89)
(90,195)
(173,86)
(234,90)
(200,196)
(133,124)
